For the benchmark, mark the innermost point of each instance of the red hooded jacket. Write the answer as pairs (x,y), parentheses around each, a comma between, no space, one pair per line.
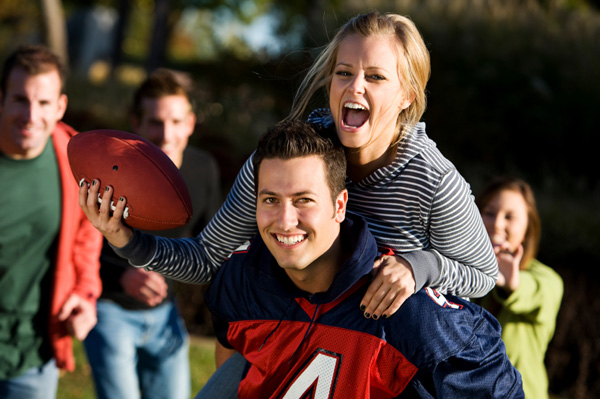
(77,265)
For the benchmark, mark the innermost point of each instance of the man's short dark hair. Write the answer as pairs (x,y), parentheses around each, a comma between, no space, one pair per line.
(295,139)
(33,59)
(161,83)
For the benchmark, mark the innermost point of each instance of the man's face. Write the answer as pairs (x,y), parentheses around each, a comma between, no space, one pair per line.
(295,214)
(168,122)
(29,111)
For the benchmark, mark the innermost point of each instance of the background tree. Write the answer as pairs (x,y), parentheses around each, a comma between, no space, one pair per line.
(55,28)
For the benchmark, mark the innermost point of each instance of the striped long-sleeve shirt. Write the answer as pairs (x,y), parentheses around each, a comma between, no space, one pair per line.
(419,206)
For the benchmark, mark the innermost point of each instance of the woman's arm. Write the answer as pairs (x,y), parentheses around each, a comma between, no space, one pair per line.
(460,259)
(195,260)
(459,241)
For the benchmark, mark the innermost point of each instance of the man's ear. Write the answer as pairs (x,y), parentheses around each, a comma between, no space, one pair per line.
(191,121)
(62,106)
(340,206)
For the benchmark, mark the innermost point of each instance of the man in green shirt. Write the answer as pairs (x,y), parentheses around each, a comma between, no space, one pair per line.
(49,252)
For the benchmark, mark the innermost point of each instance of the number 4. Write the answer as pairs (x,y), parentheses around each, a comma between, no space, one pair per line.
(318,377)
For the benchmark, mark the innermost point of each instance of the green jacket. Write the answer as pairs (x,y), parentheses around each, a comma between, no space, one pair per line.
(528,319)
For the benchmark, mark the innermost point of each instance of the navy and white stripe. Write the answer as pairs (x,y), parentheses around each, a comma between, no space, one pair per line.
(419,205)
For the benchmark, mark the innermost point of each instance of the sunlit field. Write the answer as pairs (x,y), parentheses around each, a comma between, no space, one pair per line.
(79,384)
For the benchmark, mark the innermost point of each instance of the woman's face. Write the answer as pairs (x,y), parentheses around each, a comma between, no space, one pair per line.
(366,94)
(505,219)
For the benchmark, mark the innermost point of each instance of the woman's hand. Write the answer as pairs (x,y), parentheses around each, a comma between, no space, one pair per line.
(508,267)
(394,282)
(111,227)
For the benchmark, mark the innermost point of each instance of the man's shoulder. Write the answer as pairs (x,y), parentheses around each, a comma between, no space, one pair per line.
(237,262)
(431,325)
(198,155)
(62,128)
(428,301)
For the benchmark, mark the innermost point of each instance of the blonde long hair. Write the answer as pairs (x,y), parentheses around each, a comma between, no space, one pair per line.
(414,71)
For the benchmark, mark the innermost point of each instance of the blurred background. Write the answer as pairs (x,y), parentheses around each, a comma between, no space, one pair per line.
(514,91)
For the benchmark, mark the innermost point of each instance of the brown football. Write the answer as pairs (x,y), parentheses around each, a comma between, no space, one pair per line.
(157,196)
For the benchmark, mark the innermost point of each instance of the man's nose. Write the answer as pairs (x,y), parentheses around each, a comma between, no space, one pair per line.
(288,216)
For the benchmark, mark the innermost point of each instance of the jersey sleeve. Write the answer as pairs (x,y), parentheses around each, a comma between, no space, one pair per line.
(195,260)
(481,369)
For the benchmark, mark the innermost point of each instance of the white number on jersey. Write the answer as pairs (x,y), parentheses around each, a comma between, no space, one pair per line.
(317,379)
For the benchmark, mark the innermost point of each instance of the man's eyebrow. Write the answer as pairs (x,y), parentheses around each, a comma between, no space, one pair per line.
(296,194)
(267,192)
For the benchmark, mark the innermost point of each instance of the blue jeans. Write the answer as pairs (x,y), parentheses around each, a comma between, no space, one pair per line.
(224,383)
(139,353)
(35,383)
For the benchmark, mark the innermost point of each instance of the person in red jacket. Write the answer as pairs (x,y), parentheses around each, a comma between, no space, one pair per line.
(49,252)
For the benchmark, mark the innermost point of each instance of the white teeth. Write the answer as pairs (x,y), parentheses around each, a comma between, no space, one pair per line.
(290,240)
(355,106)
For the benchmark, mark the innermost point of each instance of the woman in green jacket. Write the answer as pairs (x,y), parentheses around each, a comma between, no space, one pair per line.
(528,293)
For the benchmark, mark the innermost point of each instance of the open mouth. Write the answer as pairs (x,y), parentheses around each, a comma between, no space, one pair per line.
(354,115)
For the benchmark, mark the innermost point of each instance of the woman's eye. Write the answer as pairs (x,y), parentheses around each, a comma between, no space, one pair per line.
(342,73)
(377,77)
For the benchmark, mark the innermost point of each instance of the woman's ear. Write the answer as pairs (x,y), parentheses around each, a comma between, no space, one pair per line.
(406,102)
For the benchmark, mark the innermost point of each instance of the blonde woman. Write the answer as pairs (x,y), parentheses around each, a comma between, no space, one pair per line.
(374,74)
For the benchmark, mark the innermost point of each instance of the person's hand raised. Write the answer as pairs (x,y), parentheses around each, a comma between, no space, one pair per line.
(108,222)
(508,267)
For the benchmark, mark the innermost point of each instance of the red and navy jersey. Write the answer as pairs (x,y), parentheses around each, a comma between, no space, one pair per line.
(320,346)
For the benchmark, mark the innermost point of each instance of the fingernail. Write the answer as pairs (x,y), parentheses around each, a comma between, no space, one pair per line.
(81,182)
(384,316)
(362,307)
(106,189)
(121,199)
(375,317)
(94,183)
(367,315)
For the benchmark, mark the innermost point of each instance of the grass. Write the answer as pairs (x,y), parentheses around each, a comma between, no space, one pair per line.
(79,384)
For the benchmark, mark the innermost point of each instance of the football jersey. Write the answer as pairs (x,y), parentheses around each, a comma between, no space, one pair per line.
(321,346)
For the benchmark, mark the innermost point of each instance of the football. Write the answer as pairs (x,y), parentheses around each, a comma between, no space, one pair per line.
(157,196)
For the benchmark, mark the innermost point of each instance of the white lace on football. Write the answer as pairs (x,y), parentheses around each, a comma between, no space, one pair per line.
(112,207)
(112,204)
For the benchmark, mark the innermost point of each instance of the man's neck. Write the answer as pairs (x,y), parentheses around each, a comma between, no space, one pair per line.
(319,275)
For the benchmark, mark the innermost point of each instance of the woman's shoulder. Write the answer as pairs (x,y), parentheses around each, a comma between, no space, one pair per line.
(544,272)
(417,144)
